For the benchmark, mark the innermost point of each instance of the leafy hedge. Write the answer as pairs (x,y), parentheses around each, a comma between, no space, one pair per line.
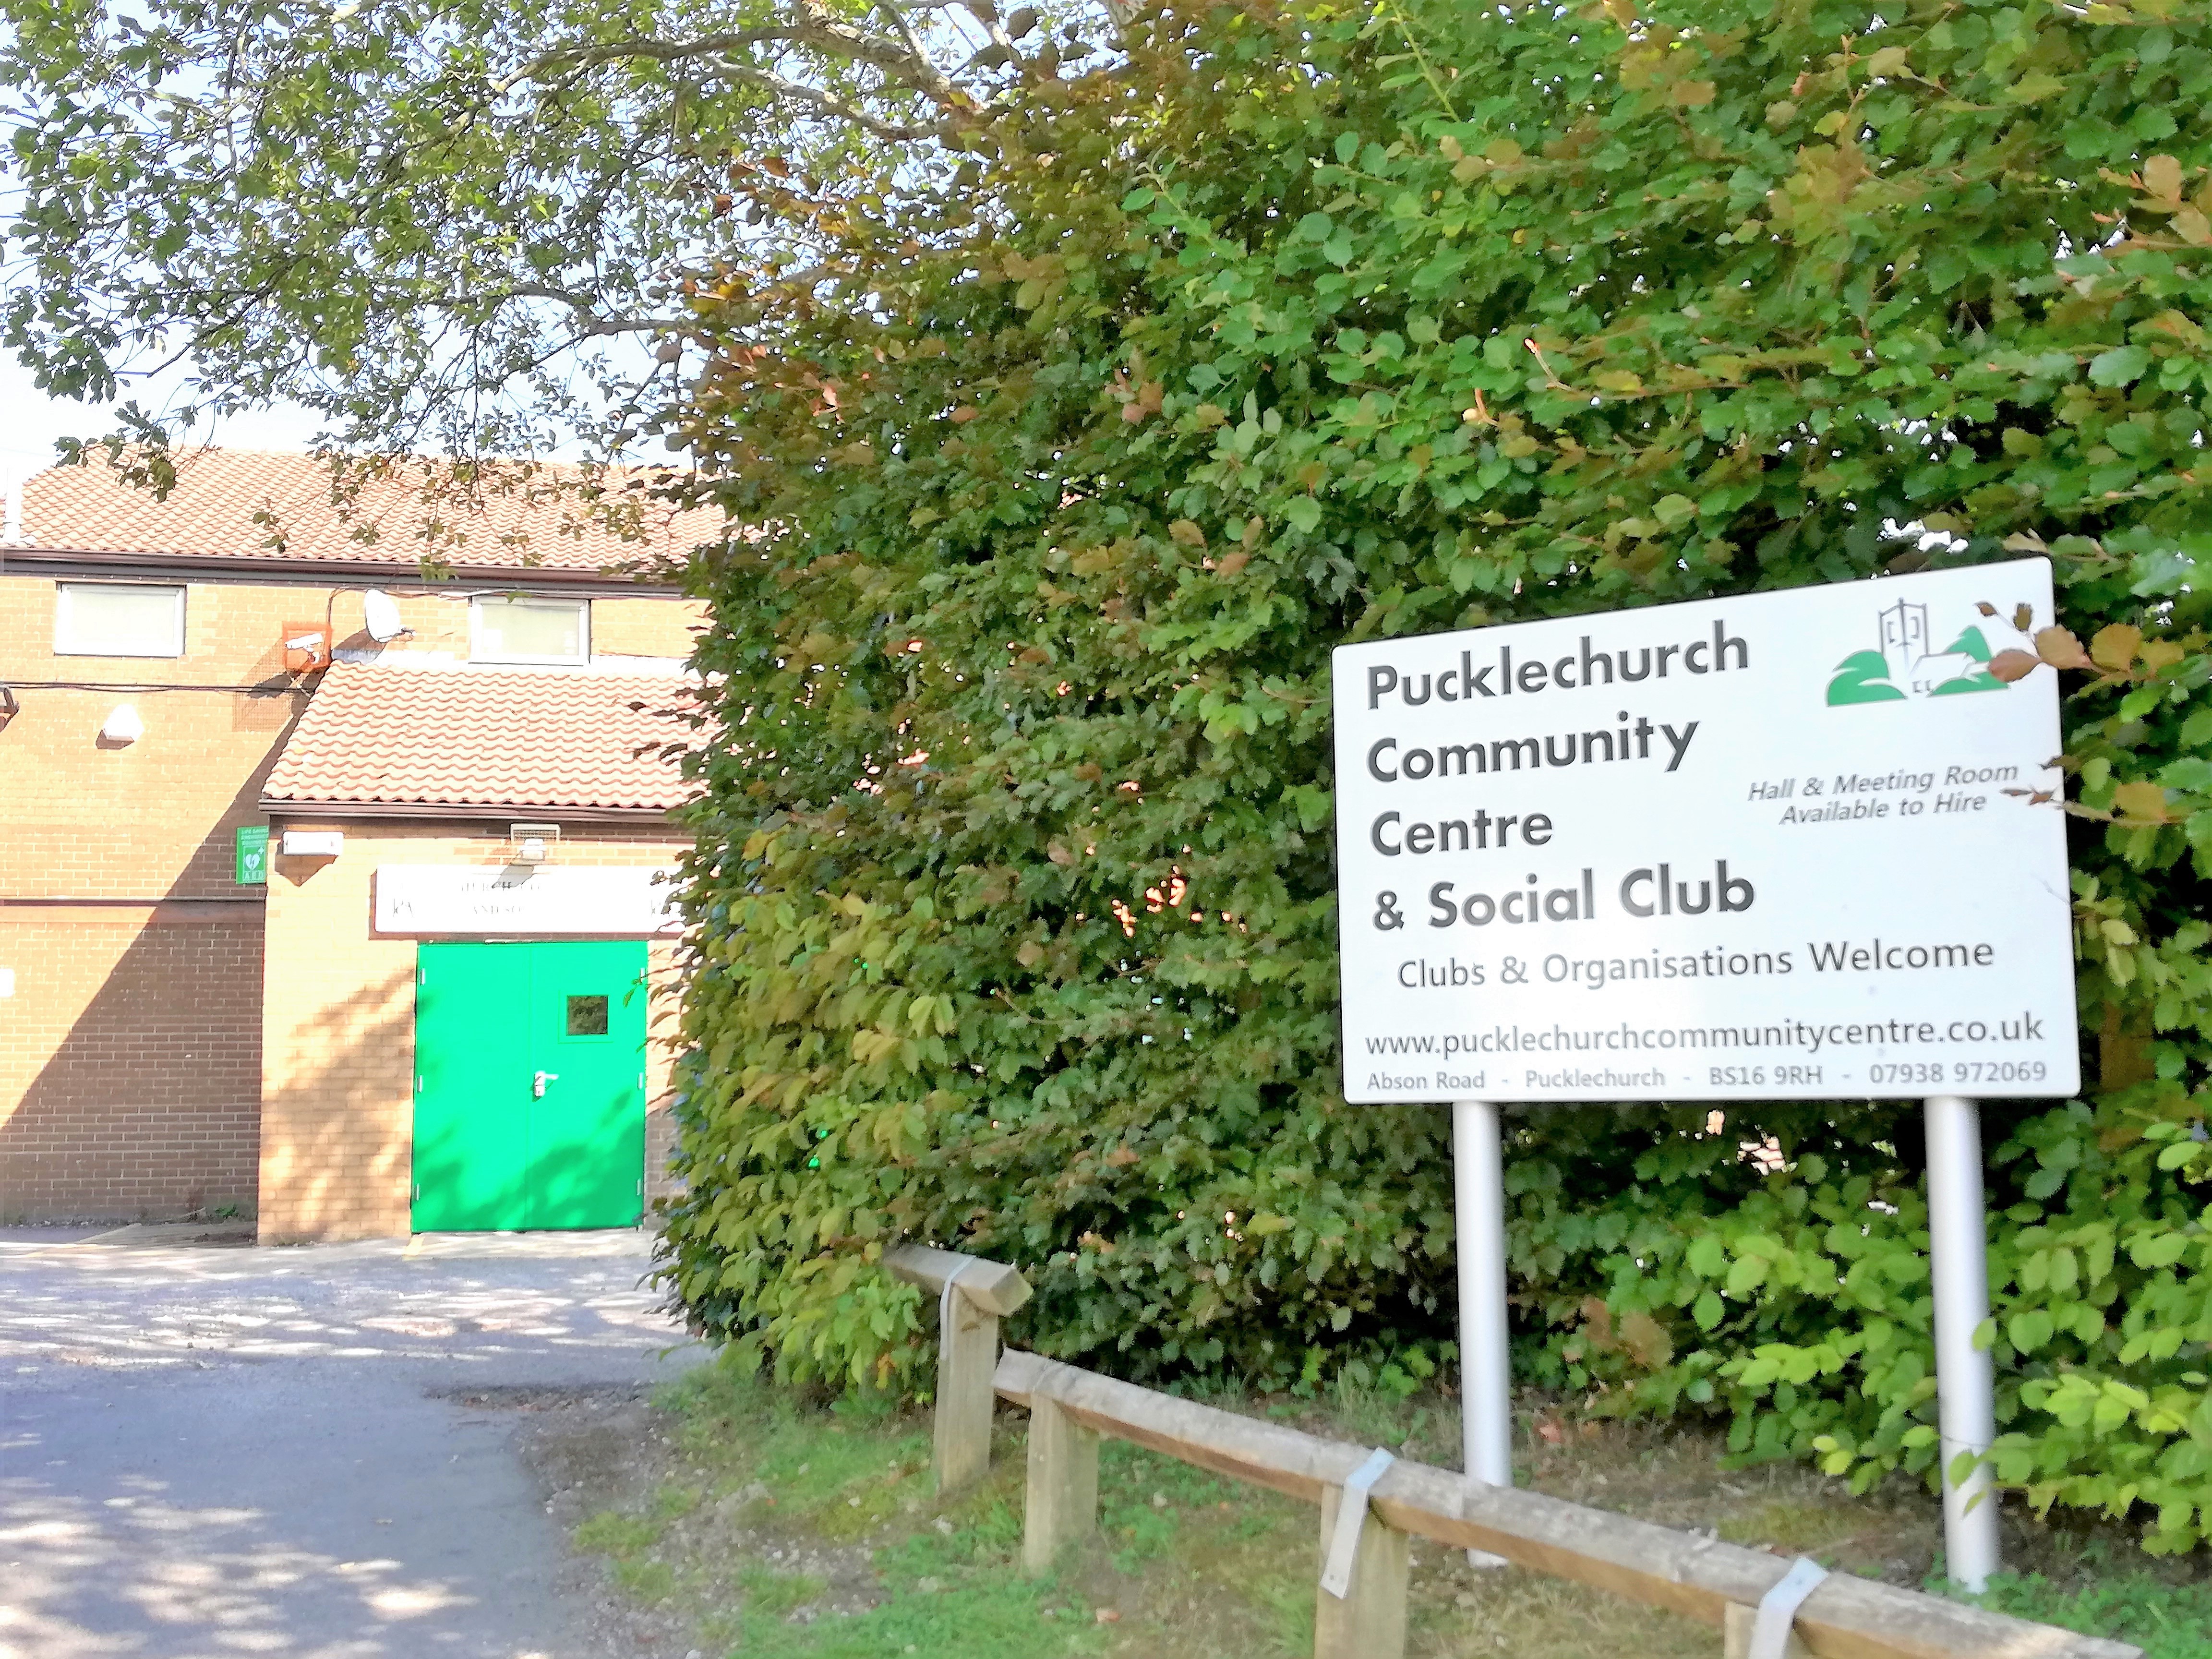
(1013,895)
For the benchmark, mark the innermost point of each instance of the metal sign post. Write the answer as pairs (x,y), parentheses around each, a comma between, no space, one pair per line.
(1958,1246)
(1485,1376)
(1966,1384)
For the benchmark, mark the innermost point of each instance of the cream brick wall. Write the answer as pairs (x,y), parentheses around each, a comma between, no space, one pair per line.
(155,819)
(438,621)
(646,627)
(338,1032)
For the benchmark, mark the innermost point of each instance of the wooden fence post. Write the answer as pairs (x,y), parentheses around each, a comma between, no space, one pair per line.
(967,1350)
(1063,1505)
(1736,1641)
(966,1354)
(1369,1622)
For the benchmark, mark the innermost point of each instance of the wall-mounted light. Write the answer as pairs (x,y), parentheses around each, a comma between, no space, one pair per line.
(9,706)
(530,840)
(122,725)
(312,843)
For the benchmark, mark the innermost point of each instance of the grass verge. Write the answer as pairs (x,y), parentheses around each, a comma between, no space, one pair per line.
(769,1524)
(2166,1618)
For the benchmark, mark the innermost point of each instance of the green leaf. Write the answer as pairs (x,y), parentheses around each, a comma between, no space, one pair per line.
(2158,1249)
(2121,366)
(2034,87)
(1747,1275)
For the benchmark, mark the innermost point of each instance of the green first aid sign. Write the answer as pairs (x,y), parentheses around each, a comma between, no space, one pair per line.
(252,854)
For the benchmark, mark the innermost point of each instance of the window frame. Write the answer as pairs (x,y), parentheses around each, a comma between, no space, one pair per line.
(606,1012)
(477,649)
(65,619)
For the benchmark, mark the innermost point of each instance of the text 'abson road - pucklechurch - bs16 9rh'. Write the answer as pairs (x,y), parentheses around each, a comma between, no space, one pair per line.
(1778,846)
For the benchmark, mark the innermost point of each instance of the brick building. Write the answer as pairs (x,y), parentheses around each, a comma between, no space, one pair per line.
(424,1001)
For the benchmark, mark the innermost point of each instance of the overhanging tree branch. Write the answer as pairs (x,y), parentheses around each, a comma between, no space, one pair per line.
(423,223)
(905,61)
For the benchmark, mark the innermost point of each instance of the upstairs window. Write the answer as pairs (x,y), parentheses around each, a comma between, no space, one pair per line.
(118,619)
(514,629)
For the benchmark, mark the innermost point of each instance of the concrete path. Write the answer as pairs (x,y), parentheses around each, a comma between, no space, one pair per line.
(209,1452)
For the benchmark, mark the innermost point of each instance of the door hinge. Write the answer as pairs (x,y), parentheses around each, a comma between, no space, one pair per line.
(640,1083)
(418,1083)
(418,1192)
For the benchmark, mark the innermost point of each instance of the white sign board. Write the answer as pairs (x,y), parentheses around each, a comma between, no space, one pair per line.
(524,900)
(1779,847)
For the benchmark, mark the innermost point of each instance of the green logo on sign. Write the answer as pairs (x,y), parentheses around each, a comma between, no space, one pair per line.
(1905,667)
(252,846)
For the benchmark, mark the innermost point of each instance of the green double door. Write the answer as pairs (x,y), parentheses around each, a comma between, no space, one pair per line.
(529,1086)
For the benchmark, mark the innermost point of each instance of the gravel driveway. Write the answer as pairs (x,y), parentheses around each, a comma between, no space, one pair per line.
(211,1452)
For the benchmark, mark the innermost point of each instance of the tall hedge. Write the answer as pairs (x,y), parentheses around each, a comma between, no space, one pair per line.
(1013,899)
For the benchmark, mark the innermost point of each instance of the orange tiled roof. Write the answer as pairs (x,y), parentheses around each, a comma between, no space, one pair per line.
(247,504)
(504,738)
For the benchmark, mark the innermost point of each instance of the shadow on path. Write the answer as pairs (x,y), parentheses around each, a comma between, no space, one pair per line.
(207,1453)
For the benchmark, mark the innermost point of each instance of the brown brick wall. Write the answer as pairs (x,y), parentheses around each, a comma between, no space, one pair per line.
(131,1053)
(338,1046)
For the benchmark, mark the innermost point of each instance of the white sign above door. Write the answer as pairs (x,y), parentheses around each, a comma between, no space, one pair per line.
(524,900)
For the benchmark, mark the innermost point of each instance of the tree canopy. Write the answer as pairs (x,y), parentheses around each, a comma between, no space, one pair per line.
(446,224)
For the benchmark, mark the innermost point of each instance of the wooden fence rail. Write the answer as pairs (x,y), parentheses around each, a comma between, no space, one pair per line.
(1070,1408)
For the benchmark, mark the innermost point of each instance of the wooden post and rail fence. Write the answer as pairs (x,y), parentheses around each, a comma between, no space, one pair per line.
(1360,1611)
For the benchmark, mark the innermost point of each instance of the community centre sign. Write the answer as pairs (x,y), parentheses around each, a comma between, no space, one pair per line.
(524,901)
(1796,845)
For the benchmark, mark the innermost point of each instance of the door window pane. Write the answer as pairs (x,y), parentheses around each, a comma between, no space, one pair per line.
(118,619)
(510,630)
(587,1016)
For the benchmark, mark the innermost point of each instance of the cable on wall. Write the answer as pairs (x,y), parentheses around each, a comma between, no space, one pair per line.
(269,688)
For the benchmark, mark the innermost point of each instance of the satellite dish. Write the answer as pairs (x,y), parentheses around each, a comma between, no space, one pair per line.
(381,615)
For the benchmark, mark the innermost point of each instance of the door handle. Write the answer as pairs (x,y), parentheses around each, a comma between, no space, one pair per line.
(539,1082)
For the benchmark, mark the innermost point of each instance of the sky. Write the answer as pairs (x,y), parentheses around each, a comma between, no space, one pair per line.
(30,422)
